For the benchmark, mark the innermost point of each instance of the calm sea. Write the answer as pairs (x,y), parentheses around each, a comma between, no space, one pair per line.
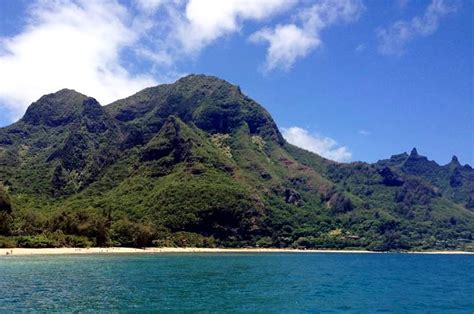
(263,283)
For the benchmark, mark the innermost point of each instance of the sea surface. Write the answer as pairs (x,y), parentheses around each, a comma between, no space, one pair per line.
(243,282)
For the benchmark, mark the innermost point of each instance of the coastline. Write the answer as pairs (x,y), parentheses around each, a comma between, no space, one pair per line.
(123,250)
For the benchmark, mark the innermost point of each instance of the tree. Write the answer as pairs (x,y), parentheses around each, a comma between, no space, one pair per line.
(5,204)
(5,211)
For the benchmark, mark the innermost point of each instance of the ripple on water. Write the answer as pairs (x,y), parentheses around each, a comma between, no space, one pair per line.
(239,283)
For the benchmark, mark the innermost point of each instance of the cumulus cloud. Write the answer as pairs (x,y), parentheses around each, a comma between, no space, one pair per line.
(204,21)
(323,146)
(289,42)
(74,44)
(393,39)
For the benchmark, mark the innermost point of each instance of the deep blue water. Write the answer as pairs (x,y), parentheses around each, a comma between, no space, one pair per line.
(263,283)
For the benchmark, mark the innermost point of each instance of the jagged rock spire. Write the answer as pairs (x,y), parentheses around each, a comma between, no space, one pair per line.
(455,161)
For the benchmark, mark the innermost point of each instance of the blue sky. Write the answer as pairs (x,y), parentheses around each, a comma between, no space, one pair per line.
(348,79)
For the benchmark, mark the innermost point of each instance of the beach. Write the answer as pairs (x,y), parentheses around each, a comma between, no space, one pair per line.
(154,250)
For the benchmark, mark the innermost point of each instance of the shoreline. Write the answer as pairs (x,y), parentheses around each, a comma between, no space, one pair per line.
(123,250)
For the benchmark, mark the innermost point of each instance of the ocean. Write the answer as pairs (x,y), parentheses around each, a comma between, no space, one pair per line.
(240,282)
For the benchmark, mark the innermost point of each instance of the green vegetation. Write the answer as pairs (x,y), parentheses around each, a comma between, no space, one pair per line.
(5,211)
(197,163)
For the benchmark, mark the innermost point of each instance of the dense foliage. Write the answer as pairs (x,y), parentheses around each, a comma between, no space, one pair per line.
(197,163)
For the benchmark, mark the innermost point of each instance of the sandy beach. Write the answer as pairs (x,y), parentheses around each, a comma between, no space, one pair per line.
(123,250)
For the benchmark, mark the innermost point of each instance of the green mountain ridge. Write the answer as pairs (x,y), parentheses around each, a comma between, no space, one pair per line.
(198,163)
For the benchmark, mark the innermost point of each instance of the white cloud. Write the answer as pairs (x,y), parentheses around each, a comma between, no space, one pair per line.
(204,21)
(394,38)
(289,42)
(324,146)
(183,28)
(364,132)
(73,44)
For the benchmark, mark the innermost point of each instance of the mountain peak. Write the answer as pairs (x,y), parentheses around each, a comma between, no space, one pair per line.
(67,92)
(201,78)
(212,104)
(455,161)
(205,83)
(63,96)
(198,76)
(414,152)
(58,108)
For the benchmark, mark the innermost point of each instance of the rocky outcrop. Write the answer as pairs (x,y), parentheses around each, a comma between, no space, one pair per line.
(390,178)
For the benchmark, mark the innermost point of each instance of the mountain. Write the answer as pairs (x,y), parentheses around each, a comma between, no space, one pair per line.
(198,163)
(453,180)
(60,145)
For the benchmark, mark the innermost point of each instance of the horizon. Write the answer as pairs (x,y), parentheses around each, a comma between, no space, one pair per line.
(369,81)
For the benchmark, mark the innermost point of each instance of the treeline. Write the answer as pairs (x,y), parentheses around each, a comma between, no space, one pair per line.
(88,229)
(352,229)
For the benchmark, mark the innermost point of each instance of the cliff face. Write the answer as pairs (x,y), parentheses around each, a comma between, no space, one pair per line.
(199,163)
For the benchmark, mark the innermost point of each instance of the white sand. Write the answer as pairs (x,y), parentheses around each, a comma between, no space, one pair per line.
(122,250)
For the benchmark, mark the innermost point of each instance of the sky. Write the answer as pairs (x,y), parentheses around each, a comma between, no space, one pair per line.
(352,80)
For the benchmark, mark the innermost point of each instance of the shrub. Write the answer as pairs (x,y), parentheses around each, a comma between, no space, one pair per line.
(38,241)
(7,242)
(304,243)
(5,204)
(264,242)
(127,233)
(5,223)
(185,239)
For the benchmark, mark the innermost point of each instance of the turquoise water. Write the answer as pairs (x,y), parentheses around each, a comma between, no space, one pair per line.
(239,283)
